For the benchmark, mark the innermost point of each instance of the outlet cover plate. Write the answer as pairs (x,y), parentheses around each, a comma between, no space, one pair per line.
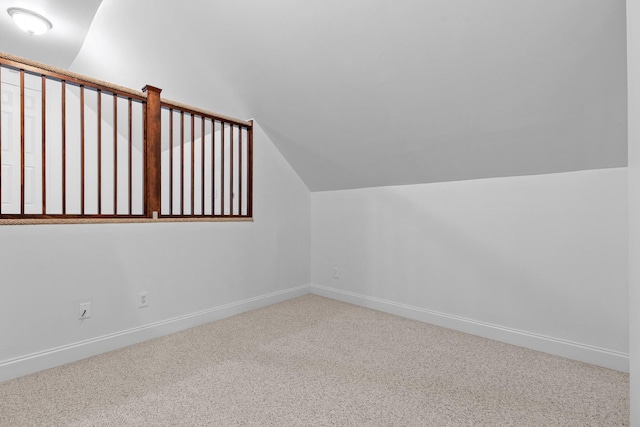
(84,310)
(143,299)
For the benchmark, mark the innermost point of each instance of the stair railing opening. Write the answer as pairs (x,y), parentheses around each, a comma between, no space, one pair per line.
(72,147)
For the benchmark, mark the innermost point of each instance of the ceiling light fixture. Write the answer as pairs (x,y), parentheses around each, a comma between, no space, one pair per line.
(29,21)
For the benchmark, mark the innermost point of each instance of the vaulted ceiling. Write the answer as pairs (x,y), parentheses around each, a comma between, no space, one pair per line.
(366,93)
(71,20)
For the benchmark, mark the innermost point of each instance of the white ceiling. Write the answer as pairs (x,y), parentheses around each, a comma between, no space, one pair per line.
(365,93)
(71,20)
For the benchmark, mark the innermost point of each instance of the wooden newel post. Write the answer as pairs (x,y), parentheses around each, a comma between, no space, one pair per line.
(250,171)
(153,151)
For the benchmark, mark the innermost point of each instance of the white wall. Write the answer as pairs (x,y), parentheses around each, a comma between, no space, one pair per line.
(187,268)
(539,261)
(633,76)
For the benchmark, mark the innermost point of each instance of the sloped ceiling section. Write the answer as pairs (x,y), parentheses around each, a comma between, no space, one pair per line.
(367,93)
(71,20)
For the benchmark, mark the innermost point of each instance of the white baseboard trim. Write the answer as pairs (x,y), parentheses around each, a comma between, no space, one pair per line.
(585,353)
(39,361)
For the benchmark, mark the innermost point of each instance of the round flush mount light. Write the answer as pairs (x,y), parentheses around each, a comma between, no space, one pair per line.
(28,21)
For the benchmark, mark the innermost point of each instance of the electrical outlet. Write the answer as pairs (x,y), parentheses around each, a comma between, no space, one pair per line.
(84,310)
(143,299)
(336,272)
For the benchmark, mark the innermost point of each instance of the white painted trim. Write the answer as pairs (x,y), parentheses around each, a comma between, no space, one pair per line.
(39,361)
(585,353)
(35,362)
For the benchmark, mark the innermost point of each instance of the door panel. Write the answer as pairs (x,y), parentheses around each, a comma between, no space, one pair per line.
(10,147)
(32,150)
(10,116)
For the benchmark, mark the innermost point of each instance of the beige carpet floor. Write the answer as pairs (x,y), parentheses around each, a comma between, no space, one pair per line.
(313,361)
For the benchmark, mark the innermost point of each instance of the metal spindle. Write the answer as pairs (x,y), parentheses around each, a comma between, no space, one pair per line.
(222,180)
(170,161)
(82,175)
(130,155)
(193,162)
(115,154)
(240,171)
(0,141)
(182,163)
(213,167)
(44,144)
(64,147)
(202,167)
(21,142)
(143,149)
(231,171)
(99,151)
(250,171)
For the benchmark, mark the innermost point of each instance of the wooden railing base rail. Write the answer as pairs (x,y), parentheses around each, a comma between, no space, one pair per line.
(103,220)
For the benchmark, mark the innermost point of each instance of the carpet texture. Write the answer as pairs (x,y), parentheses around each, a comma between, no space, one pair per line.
(314,361)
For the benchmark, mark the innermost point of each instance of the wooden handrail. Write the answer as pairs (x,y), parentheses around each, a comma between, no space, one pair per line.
(200,112)
(60,74)
(18,62)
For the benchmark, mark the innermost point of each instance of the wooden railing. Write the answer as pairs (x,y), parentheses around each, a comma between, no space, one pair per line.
(72,147)
(206,164)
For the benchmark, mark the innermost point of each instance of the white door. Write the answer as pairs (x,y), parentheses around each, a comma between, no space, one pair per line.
(11,144)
